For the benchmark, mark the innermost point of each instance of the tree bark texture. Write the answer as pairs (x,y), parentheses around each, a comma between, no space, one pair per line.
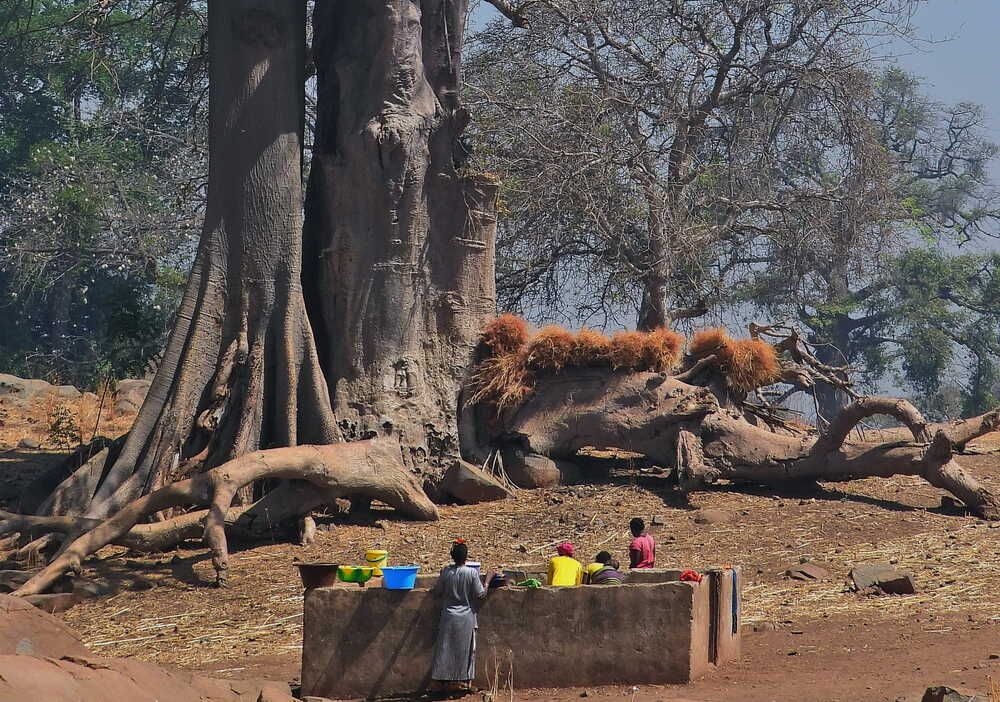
(370,468)
(240,370)
(399,240)
(687,427)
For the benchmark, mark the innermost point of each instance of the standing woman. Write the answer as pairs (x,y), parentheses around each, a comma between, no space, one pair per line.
(461,592)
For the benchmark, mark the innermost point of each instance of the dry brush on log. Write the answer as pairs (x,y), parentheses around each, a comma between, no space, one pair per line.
(686,426)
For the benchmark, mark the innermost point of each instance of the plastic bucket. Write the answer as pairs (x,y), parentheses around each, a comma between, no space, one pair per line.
(399,577)
(377,560)
(355,574)
(475,565)
(317,574)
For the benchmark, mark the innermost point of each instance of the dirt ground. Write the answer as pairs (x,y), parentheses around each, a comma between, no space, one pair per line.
(815,641)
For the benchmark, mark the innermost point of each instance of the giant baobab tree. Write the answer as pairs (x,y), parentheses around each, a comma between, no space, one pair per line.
(340,357)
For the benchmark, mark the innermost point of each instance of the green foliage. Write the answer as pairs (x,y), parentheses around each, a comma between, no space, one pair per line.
(102,166)
(63,430)
(879,280)
(949,315)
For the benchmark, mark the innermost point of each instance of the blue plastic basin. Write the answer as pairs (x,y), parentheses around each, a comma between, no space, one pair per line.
(399,577)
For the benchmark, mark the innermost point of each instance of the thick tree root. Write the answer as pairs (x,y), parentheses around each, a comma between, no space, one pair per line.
(373,469)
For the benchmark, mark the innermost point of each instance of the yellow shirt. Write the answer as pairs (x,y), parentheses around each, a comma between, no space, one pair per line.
(565,572)
(594,568)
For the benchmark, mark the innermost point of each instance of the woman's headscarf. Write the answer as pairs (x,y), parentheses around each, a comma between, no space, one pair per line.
(565,549)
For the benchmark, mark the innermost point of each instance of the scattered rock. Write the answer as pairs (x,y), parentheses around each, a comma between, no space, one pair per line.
(807,572)
(883,578)
(87,677)
(53,603)
(30,631)
(529,470)
(21,391)
(950,694)
(471,485)
(994,656)
(712,516)
(758,627)
(129,395)
(28,443)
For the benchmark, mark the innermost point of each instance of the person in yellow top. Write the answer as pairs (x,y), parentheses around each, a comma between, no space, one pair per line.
(564,570)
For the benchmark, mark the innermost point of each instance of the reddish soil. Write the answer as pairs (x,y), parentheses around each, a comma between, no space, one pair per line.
(838,659)
(827,643)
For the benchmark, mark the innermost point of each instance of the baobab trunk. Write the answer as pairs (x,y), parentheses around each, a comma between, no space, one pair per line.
(240,370)
(399,238)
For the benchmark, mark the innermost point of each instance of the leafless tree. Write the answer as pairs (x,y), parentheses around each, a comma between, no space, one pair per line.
(638,140)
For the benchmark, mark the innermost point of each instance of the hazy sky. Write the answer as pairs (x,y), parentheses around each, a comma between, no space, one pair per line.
(960,60)
(963,63)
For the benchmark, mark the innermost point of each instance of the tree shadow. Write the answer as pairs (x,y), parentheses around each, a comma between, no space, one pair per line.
(613,471)
(130,574)
(812,490)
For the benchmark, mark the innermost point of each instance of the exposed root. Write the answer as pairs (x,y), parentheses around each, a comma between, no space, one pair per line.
(372,469)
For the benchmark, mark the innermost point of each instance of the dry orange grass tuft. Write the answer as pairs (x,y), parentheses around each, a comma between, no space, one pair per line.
(628,350)
(590,348)
(503,381)
(708,341)
(747,363)
(550,349)
(661,349)
(506,334)
(751,363)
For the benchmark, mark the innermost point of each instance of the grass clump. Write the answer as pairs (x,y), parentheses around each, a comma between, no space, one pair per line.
(590,348)
(506,334)
(746,363)
(550,349)
(662,349)
(751,363)
(504,381)
(628,350)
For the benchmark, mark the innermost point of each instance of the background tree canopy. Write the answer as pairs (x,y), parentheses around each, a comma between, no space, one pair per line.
(102,171)
(753,165)
(660,161)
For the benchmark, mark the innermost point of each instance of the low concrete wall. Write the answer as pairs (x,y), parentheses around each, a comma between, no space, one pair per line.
(370,642)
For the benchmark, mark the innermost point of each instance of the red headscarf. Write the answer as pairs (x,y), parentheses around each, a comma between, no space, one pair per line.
(565,549)
(691,576)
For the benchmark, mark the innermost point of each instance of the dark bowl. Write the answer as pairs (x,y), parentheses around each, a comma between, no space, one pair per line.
(317,574)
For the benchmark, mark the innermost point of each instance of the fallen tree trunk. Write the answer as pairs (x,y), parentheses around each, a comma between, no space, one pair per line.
(372,469)
(685,426)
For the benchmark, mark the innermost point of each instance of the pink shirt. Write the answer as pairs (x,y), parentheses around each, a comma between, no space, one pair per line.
(642,551)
